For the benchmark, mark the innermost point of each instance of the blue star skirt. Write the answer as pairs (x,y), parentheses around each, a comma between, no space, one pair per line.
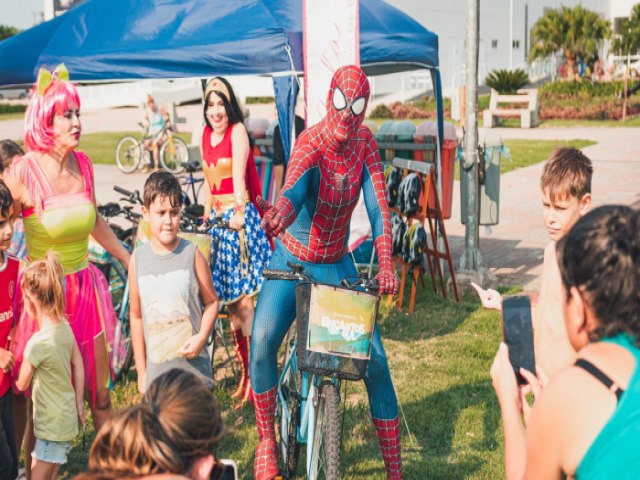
(234,274)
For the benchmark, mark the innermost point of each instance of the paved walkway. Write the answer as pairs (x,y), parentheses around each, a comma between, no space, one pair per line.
(513,249)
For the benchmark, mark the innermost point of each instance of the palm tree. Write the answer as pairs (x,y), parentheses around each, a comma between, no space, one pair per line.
(573,31)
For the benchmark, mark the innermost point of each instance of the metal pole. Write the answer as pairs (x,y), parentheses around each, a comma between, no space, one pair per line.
(471,256)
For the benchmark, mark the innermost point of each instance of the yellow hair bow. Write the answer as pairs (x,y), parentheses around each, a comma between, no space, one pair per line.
(46,77)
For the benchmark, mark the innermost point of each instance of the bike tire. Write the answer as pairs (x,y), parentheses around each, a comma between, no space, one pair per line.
(172,161)
(122,349)
(288,430)
(325,463)
(128,154)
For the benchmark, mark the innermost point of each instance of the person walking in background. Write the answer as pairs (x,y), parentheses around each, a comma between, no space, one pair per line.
(8,278)
(157,121)
(279,164)
(243,250)
(52,186)
(50,358)
(172,299)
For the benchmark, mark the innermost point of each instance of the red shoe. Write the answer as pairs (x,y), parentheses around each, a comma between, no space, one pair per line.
(389,438)
(265,465)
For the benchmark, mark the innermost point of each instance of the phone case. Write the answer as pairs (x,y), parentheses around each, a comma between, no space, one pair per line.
(517,332)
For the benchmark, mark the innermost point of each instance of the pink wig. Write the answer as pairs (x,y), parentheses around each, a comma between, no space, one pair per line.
(38,121)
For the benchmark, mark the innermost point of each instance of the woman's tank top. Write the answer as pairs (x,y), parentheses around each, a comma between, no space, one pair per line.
(171,309)
(61,223)
(614,452)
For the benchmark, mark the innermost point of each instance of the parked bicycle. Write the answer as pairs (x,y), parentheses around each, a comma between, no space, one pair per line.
(131,153)
(117,275)
(321,353)
(191,187)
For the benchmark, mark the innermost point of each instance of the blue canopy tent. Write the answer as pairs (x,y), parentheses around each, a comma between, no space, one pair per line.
(128,39)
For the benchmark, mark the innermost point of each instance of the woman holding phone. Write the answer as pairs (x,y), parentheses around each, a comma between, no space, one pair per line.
(586,422)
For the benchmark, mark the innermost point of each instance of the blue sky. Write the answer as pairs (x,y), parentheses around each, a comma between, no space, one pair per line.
(20,13)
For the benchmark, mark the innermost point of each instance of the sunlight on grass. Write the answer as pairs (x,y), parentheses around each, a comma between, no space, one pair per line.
(439,358)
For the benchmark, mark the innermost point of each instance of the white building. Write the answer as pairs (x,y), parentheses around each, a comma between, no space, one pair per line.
(505,27)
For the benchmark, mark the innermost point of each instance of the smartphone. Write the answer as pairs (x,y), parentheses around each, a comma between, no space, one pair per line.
(224,469)
(517,332)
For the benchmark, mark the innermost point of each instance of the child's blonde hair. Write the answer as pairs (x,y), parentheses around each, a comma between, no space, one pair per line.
(42,283)
(567,173)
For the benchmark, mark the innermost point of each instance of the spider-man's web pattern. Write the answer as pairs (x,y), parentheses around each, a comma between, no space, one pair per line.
(331,162)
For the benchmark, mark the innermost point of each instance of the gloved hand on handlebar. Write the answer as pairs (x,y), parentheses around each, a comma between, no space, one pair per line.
(388,282)
(387,278)
(276,217)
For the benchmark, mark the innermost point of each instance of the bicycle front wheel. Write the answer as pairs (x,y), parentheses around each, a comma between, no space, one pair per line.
(128,154)
(122,355)
(325,463)
(172,154)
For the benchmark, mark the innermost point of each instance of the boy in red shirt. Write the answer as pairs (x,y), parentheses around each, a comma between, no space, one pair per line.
(8,278)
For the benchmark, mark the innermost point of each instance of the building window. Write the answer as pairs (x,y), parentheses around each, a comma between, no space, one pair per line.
(515,44)
(494,43)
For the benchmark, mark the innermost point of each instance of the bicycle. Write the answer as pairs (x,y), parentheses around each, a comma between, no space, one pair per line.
(131,153)
(191,193)
(117,276)
(315,365)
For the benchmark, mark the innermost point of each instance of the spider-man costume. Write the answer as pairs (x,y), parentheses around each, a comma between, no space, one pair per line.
(330,163)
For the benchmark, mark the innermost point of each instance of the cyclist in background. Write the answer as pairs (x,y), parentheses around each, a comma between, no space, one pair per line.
(333,161)
(157,121)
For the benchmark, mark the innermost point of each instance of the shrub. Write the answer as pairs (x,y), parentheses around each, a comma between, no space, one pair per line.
(507,81)
(255,100)
(381,111)
(583,89)
(8,108)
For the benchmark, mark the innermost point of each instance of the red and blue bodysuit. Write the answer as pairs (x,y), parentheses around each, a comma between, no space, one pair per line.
(331,163)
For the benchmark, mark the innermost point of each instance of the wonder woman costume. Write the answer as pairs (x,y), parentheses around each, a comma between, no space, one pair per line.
(62,223)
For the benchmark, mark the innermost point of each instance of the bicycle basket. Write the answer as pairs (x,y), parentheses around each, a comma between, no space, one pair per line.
(335,329)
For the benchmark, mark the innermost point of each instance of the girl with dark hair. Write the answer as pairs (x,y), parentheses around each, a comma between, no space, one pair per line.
(243,250)
(586,422)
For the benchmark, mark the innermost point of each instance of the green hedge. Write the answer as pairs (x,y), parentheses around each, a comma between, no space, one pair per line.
(255,100)
(584,89)
(8,108)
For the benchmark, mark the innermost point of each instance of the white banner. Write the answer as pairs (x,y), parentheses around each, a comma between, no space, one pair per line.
(331,36)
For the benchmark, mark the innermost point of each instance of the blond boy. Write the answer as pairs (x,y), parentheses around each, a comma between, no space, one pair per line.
(566,196)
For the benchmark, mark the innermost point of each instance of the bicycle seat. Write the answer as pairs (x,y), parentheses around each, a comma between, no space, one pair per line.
(110,209)
(196,210)
(191,167)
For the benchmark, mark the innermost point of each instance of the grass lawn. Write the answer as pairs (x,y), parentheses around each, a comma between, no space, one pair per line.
(529,152)
(11,116)
(439,358)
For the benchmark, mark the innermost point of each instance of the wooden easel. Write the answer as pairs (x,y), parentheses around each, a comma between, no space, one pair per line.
(433,215)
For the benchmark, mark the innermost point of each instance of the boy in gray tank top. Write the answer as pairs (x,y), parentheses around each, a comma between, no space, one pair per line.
(173,301)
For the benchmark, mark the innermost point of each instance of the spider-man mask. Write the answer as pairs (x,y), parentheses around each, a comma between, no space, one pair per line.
(346,102)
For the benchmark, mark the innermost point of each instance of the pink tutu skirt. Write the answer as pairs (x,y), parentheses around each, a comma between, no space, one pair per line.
(89,312)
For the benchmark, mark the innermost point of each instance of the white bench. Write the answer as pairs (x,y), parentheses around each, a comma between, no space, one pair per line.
(528,113)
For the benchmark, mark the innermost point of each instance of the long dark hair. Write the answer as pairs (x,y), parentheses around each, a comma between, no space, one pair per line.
(600,256)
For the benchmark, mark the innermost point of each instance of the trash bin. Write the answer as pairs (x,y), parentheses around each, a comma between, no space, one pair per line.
(384,135)
(424,133)
(403,133)
(489,184)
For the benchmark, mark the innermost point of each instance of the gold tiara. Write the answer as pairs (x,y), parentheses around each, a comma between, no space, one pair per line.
(217,85)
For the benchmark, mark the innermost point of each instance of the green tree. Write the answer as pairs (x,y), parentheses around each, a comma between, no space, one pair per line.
(6,31)
(576,32)
(627,40)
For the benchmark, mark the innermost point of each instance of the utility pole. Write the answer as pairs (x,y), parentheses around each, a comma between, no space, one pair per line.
(471,260)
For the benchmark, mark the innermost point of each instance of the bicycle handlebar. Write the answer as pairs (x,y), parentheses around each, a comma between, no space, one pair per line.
(132,197)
